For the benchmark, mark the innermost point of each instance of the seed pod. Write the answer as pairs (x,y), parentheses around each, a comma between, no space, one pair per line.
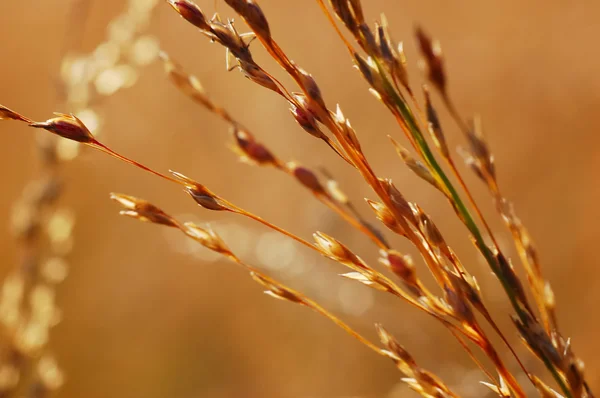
(335,250)
(536,338)
(403,359)
(307,121)
(345,14)
(460,308)
(346,129)
(384,215)
(191,13)
(366,69)
(250,149)
(202,195)
(367,40)
(231,39)
(142,210)
(401,265)
(258,76)
(276,290)
(310,87)
(208,201)
(367,279)
(432,53)
(207,238)
(67,126)
(332,247)
(253,15)
(307,178)
(401,205)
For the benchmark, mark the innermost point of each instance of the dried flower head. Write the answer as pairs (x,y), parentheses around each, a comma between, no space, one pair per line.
(251,150)
(202,195)
(142,210)
(306,177)
(191,13)
(207,238)
(67,126)
(432,52)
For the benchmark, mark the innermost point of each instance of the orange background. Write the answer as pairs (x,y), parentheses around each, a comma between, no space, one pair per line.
(146,317)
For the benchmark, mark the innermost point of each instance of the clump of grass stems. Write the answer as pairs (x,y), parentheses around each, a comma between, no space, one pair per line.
(461,306)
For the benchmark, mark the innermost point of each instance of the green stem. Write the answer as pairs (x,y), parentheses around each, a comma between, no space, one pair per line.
(464,213)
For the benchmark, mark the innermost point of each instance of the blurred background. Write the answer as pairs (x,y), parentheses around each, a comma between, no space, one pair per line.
(147,314)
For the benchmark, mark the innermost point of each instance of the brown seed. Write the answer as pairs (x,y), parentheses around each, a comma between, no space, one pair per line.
(252,150)
(433,57)
(310,87)
(276,290)
(258,76)
(207,238)
(332,248)
(307,178)
(253,15)
(384,215)
(401,265)
(191,13)
(67,126)
(142,210)
(307,121)
(202,195)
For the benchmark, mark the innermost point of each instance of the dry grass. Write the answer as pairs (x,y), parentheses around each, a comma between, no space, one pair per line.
(457,301)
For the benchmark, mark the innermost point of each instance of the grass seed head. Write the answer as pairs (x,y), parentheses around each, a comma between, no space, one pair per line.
(432,53)
(310,88)
(191,13)
(142,210)
(276,290)
(401,265)
(307,121)
(67,126)
(258,75)
(207,238)
(228,37)
(332,248)
(253,15)
(399,355)
(202,195)
(249,149)
(368,41)
(401,205)
(384,215)
(307,178)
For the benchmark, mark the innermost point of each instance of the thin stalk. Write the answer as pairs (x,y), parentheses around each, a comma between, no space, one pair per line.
(315,307)
(468,221)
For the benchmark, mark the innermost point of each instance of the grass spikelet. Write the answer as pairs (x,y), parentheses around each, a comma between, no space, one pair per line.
(452,296)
